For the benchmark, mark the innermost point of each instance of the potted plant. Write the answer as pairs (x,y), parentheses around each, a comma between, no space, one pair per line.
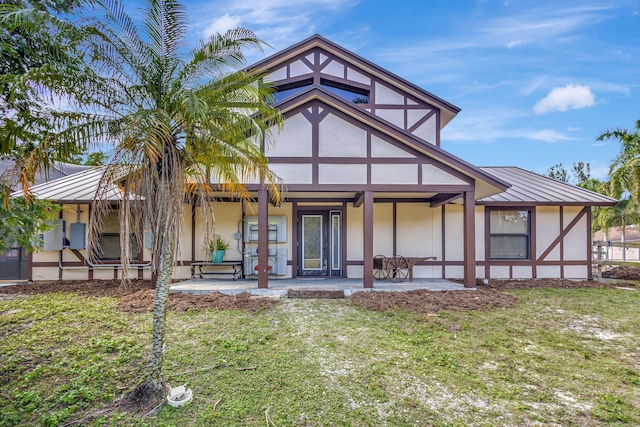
(217,248)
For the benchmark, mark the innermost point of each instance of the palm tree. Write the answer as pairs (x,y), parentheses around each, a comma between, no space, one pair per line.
(625,168)
(178,120)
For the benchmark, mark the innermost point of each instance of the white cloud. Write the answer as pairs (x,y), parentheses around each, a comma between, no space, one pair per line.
(570,97)
(549,135)
(514,43)
(221,25)
(278,22)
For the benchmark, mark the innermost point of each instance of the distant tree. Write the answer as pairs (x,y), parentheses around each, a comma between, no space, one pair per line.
(96,158)
(625,168)
(558,172)
(581,172)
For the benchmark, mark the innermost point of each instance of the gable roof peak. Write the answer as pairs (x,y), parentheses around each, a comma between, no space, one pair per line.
(447,109)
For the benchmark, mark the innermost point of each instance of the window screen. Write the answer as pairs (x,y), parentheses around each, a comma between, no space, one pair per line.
(510,234)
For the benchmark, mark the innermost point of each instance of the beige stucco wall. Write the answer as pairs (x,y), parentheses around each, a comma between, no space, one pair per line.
(418,234)
(547,229)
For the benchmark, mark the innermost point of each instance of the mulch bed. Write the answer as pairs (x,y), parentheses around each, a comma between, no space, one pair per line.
(93,288)
(622,273)
(142,302)
(424,301)
(137,297)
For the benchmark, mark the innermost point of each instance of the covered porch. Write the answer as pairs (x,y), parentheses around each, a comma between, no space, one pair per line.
(281,287)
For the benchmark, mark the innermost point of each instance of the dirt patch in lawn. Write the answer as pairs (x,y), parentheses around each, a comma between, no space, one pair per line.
(137,296)
(487,296)
(622,273)
(424,301)
(95,288)
(142,302)
(505,284)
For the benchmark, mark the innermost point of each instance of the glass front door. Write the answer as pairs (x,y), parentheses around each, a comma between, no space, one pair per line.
(320,243)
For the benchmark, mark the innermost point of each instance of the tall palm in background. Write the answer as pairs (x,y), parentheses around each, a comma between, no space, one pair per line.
(177,120)
(624,171)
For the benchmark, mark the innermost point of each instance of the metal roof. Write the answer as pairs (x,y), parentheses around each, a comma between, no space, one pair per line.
(80,187)
(56,171)
(527,188)
(530,188)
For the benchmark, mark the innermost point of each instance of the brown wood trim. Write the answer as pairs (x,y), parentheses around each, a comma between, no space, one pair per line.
(358,199)
(294,239)
(368,239)
(563,233)
(487,243)
(395,228)
(402,188)
(443,198)
(419,123)
(589,244)
(78,255)
(344,239)
(365,118)
(561,242)
(534,242)
(193,231)
(469,239)
(444,240)
(263,237)
(345,57)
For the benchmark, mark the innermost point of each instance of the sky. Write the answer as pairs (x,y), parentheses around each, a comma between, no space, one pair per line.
(537,81)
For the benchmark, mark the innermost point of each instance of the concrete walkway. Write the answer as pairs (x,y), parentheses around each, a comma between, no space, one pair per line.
(280,288)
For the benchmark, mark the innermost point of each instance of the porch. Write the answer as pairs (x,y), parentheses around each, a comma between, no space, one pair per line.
(281,287)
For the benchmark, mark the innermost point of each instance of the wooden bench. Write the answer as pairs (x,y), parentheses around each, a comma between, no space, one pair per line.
(235,266)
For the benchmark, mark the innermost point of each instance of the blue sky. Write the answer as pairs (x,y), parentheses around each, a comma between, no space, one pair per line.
(537,81)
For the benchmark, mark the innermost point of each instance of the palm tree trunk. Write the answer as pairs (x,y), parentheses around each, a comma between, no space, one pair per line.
(165,274)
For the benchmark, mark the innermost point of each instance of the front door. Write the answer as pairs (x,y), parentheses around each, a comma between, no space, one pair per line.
(319,243)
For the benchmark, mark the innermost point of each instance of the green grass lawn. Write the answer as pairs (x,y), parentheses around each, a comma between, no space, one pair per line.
(562,357)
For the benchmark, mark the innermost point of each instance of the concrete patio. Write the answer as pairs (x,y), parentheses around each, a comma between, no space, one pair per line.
(281,288)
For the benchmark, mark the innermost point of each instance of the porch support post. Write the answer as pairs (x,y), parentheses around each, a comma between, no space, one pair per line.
(263,239)
(469,239)
(368,239)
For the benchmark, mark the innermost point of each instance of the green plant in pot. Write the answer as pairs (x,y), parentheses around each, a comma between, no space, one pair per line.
(217,248)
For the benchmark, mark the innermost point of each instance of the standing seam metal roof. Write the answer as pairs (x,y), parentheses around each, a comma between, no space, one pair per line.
(79,187)
(530,187)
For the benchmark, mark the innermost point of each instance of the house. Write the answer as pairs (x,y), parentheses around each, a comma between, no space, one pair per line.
(14,262)
(366,175)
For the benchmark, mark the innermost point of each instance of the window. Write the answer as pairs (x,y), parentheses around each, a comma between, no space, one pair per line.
(110,238)
(285,91)
(350,93)
(510,234)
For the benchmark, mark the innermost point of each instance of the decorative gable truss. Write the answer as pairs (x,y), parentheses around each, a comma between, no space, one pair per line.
(341,74)
(323,149)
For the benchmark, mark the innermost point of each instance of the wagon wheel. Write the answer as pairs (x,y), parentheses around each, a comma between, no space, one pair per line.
(379,270)
(399,268)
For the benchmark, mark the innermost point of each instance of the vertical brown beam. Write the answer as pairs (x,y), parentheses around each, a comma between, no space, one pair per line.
(589,245)
(368,239)
(193,230)
(444,240)
(263,239)
(469,239)
(395,229)
(533,231)
(294,239)
(561,243)
(343,268)
(487,243)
